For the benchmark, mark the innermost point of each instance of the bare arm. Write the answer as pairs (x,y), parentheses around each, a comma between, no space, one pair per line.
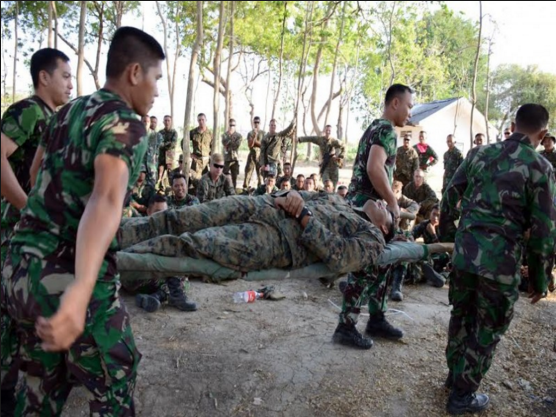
(36,165)
(11,189)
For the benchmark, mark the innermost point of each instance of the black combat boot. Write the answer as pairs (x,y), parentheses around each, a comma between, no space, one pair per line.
(449,383)
(342,286)
(468,402)
(151,302)
(379,327)
(433,277)
(397,280)
(349,336)
(177,297)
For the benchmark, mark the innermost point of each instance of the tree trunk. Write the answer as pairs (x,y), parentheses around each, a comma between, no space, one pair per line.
(16,21)
(165,45)
(119,5)
(50,34)
(265,121)
(100,10)
(393,75)
(55,24)
(280,61)
(229,110)
(176,57)
(488,90)
(190,87)
(217,69)
(475,66)
(81,48)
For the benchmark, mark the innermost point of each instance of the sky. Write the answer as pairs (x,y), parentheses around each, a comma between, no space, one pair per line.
(523,35)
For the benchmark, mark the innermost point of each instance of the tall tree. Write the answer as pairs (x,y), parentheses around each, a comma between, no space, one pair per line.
(229,110)
(475,69)
(280,60)
(216,65)
(81,48)
(50,31)
(16,42)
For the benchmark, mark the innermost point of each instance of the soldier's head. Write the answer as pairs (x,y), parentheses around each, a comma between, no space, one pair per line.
(300,182)
(146,120)
(342,191)
(329,186)
(479,139)
(270,181)
(154,122)
(180,161)
(134,65)
(272,127)
(381,217)
(548,142)
(327,131)
(51,75)
(532,120)
(216,165)
(287,169)
(157,203)
(257,122)
(434,217)
(450,141)
(419,177)
(398,103)
(422,136)
(286,185)
(167,122)
(507,133)
(179,186)
(202,120)
(309,184)
(406,140)
(232,125)
(141,178)
(397,188)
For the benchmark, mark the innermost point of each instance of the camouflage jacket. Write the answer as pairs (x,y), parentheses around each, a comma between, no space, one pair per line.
(143,193)
(231,144)
(262,190)
(421,231)
(101,123)
(201,142)
(380,133)
(452,160)
(188,201)
(422,195)
(407,161)
(254,139)
(551,156)
(274,147)
(428,158)
(151,156)
(208,190)
(330,146)
(504,190)
(408,204)
(169,139)
(23,122)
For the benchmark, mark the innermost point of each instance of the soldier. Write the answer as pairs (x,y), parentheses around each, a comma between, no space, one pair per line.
(180,198)
(331,152)
(370,184)
(328,186)
(287,177)
(507,133)
(479,139)
(286,186)
(310,185)
(22,127)
(178,170)
(214,184)
(141,194)
(201,142)
(166,151)
(299,183)
(342,191)
(274,147)
(549,149)
(78,328)
(508,188)
(407,162)
(422,193)
(231,141)
(268,188)
(452,160)
(151,157)
(254,139)
(406,205)
(427,155)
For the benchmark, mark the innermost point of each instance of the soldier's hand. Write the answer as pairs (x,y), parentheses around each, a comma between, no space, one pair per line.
(292,204)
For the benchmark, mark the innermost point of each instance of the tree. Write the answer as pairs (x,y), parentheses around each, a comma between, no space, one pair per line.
(229,68)
(81,50)
(216,65)
(475,66)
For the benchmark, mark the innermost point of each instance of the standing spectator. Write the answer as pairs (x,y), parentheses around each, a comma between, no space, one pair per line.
(407,162)
(231,141)
(549,149)
(479,139)
(287,177)
(427,155)
(166,150)
(254,139)
(201,142)
(452,160)
(274,147)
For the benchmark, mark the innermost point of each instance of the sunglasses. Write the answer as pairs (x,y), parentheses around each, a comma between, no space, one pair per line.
(256,122)
(506,133)
(232,125)
(218,166)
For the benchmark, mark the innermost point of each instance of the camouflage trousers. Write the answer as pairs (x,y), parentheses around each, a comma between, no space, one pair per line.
(364,287)
(482,310)
(232,168)
(331,172)
(104,358)
(252,164)
(199,167)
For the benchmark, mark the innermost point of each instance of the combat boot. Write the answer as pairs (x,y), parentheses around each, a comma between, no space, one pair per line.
(397,282)
(469,402)
(378,326)
(151,302)
(349,336)
(433,277)
(177,297)
(449,383)
(8,403)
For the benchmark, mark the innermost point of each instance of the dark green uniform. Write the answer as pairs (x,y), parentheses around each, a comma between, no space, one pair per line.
(504,188)
(274,149)
(551,156)
(452,160)
(329,147)
(427,156)
(407,162)
(262,190)
(424,195)
(166,151)
(201,144)
(231,144)
(254,139)
(209,190)
(188,201)
(41,263)
(151,156)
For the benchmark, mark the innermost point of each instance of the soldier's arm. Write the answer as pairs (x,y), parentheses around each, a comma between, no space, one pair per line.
(202,191)
(434,156)
(237,142)
(341,147)
(288,131)
(36,165)
(449,211)
(11,189)
(262,157)
(408,204)
(229,186)
(415,161)
(418,230)
(257,141)
(378,177)
(430,194)
(225,141)
(311,139)
(174,138)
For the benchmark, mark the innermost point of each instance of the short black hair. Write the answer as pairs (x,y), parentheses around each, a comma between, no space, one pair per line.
(435,207)
(480,134)
(342,187)
(177,177)
(300,176)
(257,118)
(531,118)
(202,114)
(396,90)
(330,126)
(131,45)
(157,198)
(154,117)
(45,59)
(167,116)
(287,164)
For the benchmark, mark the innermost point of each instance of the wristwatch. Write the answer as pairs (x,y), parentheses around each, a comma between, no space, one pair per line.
(304,212)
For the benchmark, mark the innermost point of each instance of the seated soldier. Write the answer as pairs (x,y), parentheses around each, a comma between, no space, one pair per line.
(299,183)
(310,184)
(268,187)
(329,186)
(286,186)
(421,192)
(180,198)
(214,184)
(151,294)
(286,177)
(318,182)
(406,205)
(140,196)
(428,230)
(342,191)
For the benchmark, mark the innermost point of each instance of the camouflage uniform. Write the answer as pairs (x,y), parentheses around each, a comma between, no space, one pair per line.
(551,156)
(274,149)
(280,180)
(505,188)
(411,207)
(231,145)
(201,144)
(188,201)
(369,283)
(439,260)
(424,195)
(427,158)
(169,139)
(452,160)
(254,139)
(262,190)
(209,190)
(41,263)
(407,162)
(328,146)
(151,157)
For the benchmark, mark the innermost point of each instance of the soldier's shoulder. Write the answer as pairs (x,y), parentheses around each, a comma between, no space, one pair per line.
(29,104)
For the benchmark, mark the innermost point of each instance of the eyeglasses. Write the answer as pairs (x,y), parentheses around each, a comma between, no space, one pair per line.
(218,166)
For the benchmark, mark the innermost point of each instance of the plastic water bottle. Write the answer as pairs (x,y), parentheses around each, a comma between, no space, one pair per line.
(247,296)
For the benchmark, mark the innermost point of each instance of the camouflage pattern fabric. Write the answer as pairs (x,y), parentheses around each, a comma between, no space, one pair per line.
(379,133)
(424,195)
(551,157)
(209,190)
(452,160)
(411,207)
(262,190)
(231,144)
(143,193)
(199,167)
(201,142)
(43,253)
(407,162)
(427,158)
(151,156)
(330,146)
(274,147)
(505,188)
(188,201)
(253,159)
(167,149)
(482,310)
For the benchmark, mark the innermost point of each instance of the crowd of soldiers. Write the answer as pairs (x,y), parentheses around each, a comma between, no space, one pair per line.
(64,173)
